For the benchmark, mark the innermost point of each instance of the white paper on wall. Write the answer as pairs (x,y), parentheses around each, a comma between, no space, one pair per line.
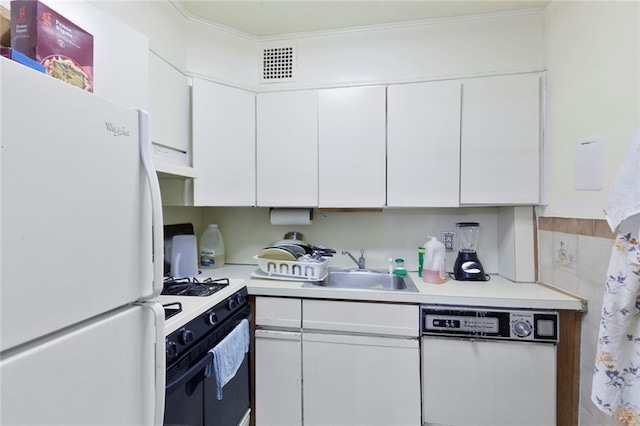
(589,165)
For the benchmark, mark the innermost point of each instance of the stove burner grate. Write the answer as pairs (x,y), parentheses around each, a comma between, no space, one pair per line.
(193,287)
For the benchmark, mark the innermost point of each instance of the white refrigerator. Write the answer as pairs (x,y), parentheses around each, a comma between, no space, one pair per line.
(81,331)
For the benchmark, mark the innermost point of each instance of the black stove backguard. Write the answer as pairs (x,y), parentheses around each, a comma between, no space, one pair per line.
(171,309)
(193,286)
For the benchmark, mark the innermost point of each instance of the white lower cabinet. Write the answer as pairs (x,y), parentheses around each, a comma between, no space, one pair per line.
(360,380)
(278,384)
(324,362)
(278,361)
(360,363)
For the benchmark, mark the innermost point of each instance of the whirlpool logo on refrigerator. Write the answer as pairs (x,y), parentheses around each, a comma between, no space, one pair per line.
(117,130)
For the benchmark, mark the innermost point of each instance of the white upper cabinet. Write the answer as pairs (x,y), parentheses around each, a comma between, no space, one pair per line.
(500,140)
(287,149)
(168,104)
(352,147)
(224,147)
(423,144)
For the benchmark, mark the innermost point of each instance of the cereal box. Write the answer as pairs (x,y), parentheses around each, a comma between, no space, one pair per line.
(42,34)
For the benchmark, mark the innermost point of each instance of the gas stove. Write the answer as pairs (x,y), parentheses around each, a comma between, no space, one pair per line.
(184,299)
(193,286)
(189,287)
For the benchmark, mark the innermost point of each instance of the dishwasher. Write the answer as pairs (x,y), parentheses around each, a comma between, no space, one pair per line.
(486,366)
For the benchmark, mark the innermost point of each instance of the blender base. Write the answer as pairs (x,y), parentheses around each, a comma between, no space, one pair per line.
(468,268)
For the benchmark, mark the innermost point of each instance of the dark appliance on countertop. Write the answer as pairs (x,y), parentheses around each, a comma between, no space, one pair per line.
(169,232)
(190,383)
(467,266)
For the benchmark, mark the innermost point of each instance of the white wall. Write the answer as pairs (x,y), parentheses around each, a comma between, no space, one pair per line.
(593,80)
(593,55)
(389,233)
(429,50)
(221,56)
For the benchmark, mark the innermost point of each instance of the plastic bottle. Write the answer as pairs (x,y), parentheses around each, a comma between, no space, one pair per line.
(211,248)
(434,262)
(420,260)
(399,268)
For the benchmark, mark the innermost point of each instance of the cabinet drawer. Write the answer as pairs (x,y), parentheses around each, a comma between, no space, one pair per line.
(364,318)
(278,312)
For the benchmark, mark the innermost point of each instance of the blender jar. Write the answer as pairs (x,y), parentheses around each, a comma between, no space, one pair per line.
(468,236)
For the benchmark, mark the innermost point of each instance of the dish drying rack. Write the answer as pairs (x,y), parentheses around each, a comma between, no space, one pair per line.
(305,271)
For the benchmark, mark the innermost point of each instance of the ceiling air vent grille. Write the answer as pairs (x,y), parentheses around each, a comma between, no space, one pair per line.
(278,64)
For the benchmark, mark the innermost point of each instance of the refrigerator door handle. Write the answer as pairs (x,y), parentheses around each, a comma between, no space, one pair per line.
(156,205)
(160,359)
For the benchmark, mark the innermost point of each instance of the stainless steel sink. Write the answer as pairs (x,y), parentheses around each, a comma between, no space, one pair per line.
(365,279)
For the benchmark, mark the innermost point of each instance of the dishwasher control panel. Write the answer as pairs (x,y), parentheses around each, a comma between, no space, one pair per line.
(510,324)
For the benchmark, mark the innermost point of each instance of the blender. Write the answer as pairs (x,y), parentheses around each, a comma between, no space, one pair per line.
(467,266)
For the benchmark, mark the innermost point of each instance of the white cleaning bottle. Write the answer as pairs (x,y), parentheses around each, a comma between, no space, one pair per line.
(211,248)
(433,270)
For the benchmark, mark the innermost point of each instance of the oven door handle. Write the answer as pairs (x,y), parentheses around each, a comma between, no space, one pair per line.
(190,373)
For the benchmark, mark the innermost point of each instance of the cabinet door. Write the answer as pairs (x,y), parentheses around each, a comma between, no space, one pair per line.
(358,380)
(278,312)
(168,104)
(224,147)
(278,378)
(352,142)
(423,145)
(361,317)
(287,149)
(500,148)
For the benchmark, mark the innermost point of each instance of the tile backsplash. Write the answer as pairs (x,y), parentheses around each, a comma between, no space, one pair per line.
(573,254)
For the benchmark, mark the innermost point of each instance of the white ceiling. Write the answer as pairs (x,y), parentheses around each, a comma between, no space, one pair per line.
(275,17)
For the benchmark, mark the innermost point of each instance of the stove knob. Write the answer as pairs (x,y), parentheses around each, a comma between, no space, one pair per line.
(240,298)
(522,328)
(232,304)
(212,319)
(186,336)
(172,350)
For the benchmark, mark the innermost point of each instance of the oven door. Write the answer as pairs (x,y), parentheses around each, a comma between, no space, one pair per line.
(234,404)
(191,396)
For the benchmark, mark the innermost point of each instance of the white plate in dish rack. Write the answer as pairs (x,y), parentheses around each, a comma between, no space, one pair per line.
(259,273)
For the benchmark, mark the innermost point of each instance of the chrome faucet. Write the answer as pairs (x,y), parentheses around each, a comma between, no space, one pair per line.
(360,261)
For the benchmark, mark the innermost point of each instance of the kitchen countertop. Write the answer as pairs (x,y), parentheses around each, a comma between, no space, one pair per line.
(499,292)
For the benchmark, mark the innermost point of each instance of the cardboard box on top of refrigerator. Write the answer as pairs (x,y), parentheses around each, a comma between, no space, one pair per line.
(5,27)
(42,34)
